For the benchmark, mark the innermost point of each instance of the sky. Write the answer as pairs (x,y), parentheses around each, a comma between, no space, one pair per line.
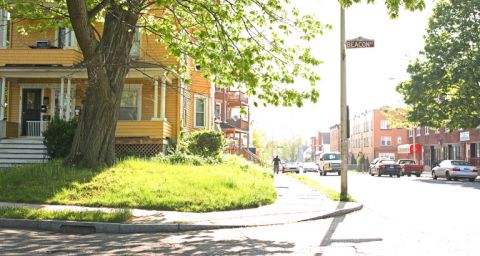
(372,73)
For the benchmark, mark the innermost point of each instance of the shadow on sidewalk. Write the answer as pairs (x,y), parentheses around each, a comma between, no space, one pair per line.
(328,238)
(204,243)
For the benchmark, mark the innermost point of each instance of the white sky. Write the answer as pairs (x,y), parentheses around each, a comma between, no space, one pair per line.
(372,73)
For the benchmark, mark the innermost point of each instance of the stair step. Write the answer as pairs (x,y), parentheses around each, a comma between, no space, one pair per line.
(21,156)
(22,141)
(22,161)
(3,165)
(23,151)
(25,146)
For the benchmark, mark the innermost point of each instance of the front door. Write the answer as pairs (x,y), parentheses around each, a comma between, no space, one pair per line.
(31,104)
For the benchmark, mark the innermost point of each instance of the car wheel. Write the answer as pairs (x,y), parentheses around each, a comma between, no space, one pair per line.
(455,179)
(434,175)
(378,174)
(409,174)
(338,173)
(418,175)
(391,175)
(398,175)
(447,176)
(471,179)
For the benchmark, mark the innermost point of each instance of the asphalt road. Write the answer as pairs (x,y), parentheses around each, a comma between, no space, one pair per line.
(401,216)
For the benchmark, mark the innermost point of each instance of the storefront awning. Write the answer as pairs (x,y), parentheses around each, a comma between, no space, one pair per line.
(408,148)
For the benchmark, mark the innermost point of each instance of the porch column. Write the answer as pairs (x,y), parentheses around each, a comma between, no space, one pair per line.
(155,99)
(69,101)
(2,101)
(62,83)
(162,103)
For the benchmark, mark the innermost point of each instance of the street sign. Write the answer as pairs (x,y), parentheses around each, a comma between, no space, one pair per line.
(360,42)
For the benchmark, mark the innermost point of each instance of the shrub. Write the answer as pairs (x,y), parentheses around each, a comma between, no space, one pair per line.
(181,157)
(204,143)
(58,137)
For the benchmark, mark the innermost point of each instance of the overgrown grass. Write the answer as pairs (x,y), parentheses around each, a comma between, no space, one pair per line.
(141,183)
(330,193)
(119,216)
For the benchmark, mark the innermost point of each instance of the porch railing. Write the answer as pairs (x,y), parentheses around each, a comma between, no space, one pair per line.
(36,128)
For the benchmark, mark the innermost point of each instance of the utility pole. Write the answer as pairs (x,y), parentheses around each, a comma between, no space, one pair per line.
(343,109)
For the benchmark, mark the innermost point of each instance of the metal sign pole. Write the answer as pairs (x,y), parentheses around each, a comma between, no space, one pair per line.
(343,109)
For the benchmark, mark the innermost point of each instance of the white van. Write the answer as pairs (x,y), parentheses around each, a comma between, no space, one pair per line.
(329,162)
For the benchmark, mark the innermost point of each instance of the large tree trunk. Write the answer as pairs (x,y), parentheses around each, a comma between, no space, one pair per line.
(107,66)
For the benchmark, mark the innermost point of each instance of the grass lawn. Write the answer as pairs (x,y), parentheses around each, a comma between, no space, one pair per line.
(119,216)
(140,183)
(330,193)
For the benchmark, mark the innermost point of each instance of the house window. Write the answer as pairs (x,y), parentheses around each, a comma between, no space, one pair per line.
(218,111)
(417,132)
(427,130)
(135,50)
(437,131)
(4,28)
(386,140)
(200,111)
(447,130)
(399,140)
(130,103)
(66,38)
(385,125)
(410,132)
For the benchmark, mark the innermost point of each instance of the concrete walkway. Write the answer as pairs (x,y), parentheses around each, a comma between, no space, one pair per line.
(296,202)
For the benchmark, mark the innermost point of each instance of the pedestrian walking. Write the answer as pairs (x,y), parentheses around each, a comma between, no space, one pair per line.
(276,164)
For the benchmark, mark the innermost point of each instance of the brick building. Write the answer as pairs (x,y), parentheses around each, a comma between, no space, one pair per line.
(441,144)
(373,135)
(335,138)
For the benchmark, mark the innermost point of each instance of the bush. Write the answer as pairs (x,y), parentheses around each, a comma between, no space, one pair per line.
(58,137)
(181,157)
(204,143)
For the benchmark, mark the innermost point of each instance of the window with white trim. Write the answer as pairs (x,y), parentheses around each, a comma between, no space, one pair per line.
(200,111)
(386,140)
(437,131)
(447,130)
(399,140)
(417,132)
(410,132)
(130,105)
(4,28)
(427,130)
(66,38)
(385,125)
(135,50)
(218,111)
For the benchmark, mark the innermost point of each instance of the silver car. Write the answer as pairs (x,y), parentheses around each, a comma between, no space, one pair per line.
(455,169)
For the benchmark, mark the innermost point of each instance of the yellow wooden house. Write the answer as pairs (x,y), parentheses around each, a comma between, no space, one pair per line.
(42,77)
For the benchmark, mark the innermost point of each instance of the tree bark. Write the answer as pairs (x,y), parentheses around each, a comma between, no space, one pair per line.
(107,62)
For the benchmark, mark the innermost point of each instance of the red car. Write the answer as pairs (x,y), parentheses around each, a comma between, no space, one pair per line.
(409,167)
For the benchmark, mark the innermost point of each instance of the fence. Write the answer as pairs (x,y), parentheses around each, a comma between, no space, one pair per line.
(36,128)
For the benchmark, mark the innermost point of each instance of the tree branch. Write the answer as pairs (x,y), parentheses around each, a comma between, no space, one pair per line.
(99,7)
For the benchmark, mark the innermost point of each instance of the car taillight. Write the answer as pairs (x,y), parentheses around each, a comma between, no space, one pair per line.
(456,169)
(381,166)
(474,170)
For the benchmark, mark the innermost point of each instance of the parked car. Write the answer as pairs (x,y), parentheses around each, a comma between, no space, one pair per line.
(386,167)
(375,161)
(291,167)
(455,169)
(329,162)
(409,167)
(309,167)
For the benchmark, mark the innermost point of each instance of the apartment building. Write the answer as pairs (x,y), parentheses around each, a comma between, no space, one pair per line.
(373,134)
(234,122)
(436,145)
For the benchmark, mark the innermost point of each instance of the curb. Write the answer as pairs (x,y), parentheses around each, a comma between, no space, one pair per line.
(78,227)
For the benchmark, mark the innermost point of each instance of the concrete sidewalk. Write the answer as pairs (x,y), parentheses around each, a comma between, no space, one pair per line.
(296,202)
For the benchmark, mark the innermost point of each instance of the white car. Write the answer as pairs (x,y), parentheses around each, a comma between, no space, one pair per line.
(455,169)
(309,167)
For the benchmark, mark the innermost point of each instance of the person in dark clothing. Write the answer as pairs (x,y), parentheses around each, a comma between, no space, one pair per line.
(276,164)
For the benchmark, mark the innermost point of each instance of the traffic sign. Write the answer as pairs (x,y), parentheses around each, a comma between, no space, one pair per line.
(360,42)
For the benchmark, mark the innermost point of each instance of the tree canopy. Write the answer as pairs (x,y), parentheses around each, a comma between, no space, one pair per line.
(444,85)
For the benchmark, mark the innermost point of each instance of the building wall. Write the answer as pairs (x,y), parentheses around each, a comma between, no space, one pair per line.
(398,135)
(335,138)
(361,135)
